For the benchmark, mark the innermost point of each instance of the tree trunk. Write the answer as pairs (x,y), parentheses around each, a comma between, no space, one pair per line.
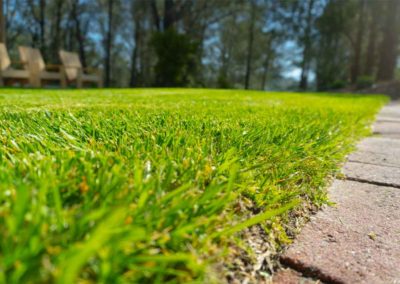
(305,63)
(134,72)
(250,47)
(388,49)
(55,45)
(304,71)
(370,62)
(78,32)
(42,22)
(134,80)
(266,66)
(169,14)
(2,24)
(265,74)
(155,15)
(355,71)
(108,44)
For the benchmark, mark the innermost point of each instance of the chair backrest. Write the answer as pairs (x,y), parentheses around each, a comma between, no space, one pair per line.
(32,58)
(72,64)
(5,61)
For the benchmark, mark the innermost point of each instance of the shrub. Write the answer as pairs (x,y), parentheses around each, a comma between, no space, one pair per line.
(338,84)
(364,82)
(176,58)
(223,82)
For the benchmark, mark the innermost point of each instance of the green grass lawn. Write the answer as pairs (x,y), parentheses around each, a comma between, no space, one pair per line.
(155,185)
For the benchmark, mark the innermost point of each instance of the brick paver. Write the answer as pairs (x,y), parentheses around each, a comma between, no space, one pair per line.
(358,239)
(383,175)
(387,128)
(290,276)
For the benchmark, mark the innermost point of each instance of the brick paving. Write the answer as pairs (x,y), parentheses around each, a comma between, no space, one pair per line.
(358,239)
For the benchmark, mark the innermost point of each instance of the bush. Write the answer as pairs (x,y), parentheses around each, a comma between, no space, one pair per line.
(223,82)
(364,82)
(176,58)
(338,84)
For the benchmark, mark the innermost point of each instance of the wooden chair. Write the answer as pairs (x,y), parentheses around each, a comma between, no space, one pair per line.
(39,71)
(9,73)
(74,70)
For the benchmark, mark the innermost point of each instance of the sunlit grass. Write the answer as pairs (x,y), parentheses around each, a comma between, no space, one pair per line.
(122,186)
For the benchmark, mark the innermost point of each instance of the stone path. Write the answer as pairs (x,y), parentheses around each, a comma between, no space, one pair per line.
(357,240)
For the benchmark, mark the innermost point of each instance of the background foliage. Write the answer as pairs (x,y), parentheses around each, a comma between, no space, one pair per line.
(255,44)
